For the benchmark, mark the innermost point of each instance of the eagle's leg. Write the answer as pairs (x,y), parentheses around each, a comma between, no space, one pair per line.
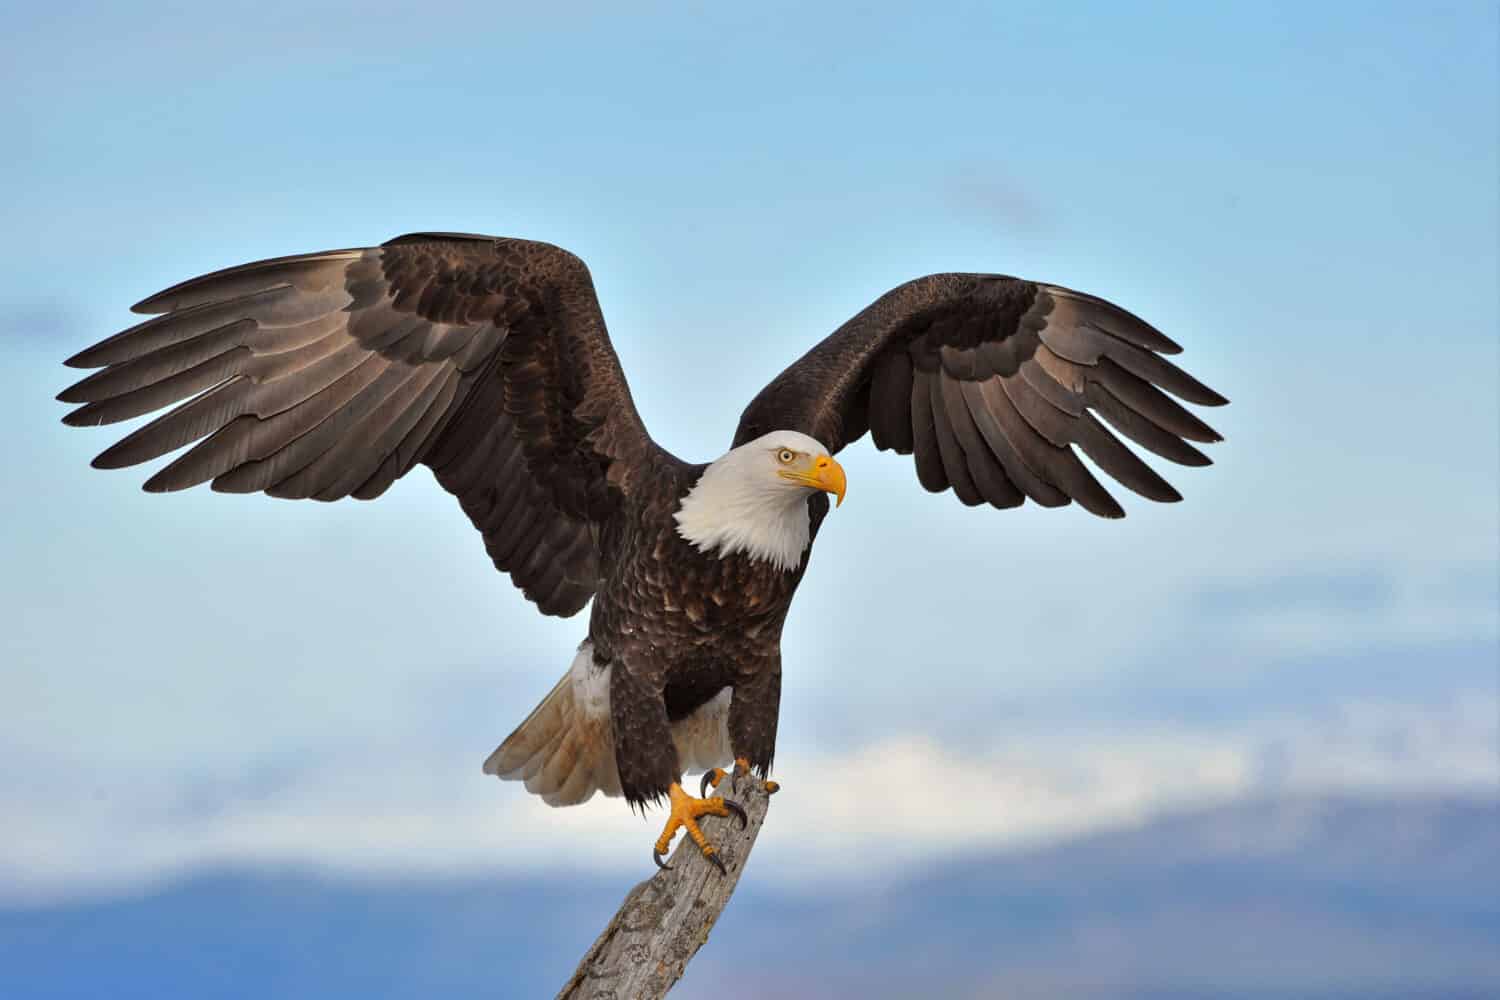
(685,813)
(752,722)
(712,778)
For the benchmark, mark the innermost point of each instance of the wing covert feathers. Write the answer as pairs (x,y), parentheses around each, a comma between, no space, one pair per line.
(995,386)
(332,374)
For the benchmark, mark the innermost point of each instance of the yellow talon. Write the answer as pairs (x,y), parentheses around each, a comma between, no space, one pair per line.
(685,812)
(712,778)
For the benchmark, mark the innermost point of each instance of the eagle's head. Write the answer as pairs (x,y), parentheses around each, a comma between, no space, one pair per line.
(753,499)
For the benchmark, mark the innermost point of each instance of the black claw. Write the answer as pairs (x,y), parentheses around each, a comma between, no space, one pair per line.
(703,785)
(717,863)
(739,813)
(656,856)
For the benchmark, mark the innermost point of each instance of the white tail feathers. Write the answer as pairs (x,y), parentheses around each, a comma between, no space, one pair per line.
(703,738)
(565,752)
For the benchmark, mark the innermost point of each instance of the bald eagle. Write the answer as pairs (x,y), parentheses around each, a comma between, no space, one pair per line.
(329,375)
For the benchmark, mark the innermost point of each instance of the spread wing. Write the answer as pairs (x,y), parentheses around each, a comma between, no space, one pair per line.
(991,382)
(331,374)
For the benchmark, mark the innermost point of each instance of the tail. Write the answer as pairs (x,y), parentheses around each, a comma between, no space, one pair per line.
(564,751)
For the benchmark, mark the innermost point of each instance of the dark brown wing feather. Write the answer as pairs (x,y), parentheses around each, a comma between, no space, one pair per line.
(331,374)
(991,383)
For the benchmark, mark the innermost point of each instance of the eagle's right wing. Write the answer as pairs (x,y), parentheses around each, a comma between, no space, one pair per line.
(331,374)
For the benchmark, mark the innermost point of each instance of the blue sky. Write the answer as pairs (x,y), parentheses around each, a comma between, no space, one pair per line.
(1306,198)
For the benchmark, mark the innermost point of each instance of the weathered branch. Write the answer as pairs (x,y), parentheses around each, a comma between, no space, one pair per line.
(665,920)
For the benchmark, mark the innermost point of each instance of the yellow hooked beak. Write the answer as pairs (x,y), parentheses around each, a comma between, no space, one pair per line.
(825,474)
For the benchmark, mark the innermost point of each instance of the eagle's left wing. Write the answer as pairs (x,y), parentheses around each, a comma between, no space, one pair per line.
(990,382)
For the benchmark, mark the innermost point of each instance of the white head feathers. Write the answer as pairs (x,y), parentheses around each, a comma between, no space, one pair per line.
(747,502)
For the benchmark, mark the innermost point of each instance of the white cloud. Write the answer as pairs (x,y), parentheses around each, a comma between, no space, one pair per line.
(900,802)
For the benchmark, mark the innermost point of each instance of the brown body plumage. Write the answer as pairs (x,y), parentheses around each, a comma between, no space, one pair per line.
(331,375)
(682,625)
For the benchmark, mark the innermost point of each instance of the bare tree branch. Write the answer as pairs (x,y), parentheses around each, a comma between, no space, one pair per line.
(665,920)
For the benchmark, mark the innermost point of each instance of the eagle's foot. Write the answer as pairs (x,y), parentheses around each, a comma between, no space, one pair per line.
(712,778)
(685,813)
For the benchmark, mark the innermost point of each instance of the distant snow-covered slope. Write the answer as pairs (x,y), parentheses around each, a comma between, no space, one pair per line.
(1299,897)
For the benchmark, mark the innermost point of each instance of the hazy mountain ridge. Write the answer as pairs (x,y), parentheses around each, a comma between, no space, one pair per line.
(1299,897)
(1306,897)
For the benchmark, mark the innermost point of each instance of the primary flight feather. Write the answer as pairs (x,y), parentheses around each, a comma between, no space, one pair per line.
(332,374)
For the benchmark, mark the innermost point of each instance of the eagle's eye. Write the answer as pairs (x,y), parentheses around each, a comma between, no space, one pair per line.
(785,456)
